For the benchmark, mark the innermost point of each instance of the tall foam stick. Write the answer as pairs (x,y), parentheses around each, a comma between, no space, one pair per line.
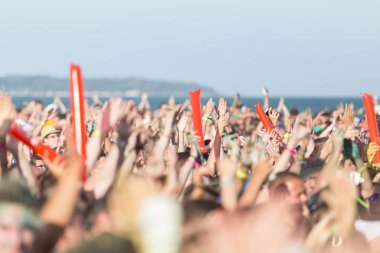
(77,111)
(32,142)
(197,117)
(372,123)
(265,120)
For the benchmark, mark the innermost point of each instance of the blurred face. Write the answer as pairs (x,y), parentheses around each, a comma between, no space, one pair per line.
(15,237)
(240,123)
(52,140)
(310,184)
(297,194)
(39,168)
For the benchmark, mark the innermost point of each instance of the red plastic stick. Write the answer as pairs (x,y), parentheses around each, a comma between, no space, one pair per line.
(197,117)
(371,121)
(77,111)
(32,142)
(265,120)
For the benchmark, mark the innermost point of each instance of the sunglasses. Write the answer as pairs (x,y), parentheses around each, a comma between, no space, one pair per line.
(42,168)
(375,197)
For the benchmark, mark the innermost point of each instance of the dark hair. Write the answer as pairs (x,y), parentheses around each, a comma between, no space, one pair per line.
(206,189)
(277,185)
(92,211)
(37,101)
(34,158)
(47,182)
(61,116)
(193,209)
(294,112)
(15,192)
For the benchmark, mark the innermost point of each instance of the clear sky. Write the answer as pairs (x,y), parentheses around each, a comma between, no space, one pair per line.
(294,47)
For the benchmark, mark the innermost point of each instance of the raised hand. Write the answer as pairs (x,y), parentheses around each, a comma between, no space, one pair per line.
(373,148)
(262,169)
(287,124)
(301,127)
(351,133)
(208,108)
(273,115)
(340,199)
(95,100)
(7,114)
(348,117)
(154,127)
(57,100)
(222,107)
(171,102)
(271,150)
(111,114)
(222,123)
(182,123)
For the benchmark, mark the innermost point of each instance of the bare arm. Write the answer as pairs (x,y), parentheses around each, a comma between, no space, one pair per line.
(59,209)
(6,117)
(106,175)
(227,184)
(261,171)
(156,163)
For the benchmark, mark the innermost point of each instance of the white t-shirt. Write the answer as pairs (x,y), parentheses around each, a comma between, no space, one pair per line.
(370,229)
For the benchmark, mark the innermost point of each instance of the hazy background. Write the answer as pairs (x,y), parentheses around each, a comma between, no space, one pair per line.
(294,47)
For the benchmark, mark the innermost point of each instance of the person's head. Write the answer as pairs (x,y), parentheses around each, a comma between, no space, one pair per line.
(310,174)
(18,226)
(19,219)
(288,186)
(39,166)
(197,209)
(50,136)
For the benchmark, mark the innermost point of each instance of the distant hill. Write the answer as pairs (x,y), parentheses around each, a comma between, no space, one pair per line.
(46,86)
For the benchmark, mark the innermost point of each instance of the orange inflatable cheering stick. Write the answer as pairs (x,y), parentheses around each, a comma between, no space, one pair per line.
(32,142)
(197,117)
(77,111)
(371,121)
(265,120)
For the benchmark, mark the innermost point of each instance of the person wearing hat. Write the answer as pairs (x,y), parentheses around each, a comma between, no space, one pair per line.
(50,136)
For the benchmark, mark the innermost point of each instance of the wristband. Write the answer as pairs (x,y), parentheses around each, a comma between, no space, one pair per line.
(287,135)
(166,135)
(192,161)
(272,176)
(241,174)
(362,168)
(207,119)
(227,180)
(121,143)
(291,151)
(98,133)
(362,202)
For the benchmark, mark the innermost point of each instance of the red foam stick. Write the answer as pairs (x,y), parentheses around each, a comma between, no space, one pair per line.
(197,117)
(264,118)
(77,111)
(371,121)
(267,123)
(32,142)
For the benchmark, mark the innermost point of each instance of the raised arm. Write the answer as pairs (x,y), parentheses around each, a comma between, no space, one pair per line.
(59,209)
(261,171)
(156,164)
(300,132)
(7,115)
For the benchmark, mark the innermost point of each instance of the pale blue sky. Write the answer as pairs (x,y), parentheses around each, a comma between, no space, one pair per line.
(294,47)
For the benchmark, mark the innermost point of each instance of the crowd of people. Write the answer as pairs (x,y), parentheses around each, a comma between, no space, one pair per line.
(310,185)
